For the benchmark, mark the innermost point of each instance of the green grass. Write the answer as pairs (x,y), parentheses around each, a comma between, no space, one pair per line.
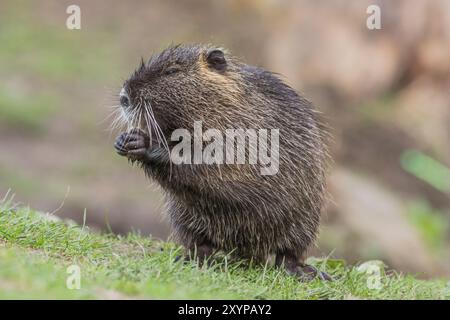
(36,250)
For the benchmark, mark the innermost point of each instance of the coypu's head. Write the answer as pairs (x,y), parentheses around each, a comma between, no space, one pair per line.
(182,84)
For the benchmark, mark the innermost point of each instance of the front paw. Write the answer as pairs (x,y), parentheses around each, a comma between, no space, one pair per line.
(133,144)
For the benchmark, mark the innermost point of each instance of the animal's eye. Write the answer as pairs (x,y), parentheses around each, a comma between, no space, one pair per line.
(124,101)
(171,70)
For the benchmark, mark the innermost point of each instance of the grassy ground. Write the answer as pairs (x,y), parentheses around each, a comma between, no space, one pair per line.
(36,251)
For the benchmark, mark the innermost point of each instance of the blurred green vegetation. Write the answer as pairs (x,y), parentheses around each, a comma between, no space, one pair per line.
(37,56)
(432,224)
(427,169)
(23,183)
(378,109)
(25,110)
(41,49)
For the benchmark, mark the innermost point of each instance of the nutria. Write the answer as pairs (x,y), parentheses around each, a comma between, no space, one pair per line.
(228,207)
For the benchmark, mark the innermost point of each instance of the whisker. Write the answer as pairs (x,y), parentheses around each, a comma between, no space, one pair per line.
(142,117)
(149,128)
(161,134)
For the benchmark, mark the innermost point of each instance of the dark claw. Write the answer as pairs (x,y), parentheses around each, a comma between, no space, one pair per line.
(120,145)
(309,272)
(299,269)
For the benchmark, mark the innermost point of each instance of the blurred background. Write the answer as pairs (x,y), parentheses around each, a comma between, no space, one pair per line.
(385,93)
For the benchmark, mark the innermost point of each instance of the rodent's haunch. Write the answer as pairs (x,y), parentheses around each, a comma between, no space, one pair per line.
(229,207)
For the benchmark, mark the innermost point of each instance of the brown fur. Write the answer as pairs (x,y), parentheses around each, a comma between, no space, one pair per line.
(232,207)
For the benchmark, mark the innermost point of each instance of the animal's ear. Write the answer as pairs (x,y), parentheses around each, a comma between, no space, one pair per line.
(216,60)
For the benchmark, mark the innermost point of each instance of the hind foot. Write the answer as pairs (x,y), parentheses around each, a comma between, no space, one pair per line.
(200,253)
(303,271)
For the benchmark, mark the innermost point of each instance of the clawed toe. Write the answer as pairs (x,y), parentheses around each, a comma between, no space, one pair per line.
(296,267)
(308,273)
(133,144)
(200,254)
